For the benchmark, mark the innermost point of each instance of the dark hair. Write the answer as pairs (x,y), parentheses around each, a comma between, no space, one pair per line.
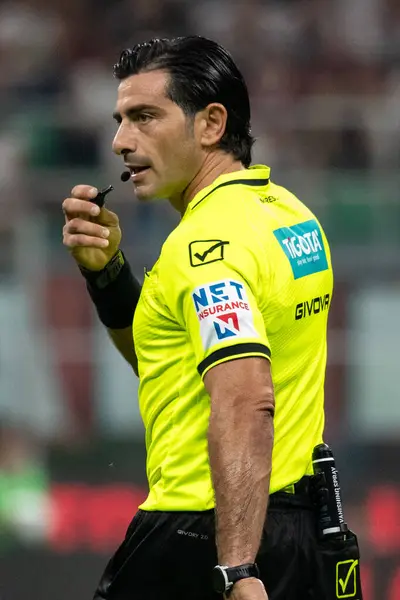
(201,72)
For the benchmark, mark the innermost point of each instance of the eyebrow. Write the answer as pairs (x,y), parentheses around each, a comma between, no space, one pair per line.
(134,110)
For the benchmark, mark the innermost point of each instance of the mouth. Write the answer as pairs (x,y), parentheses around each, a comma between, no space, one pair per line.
(137,171)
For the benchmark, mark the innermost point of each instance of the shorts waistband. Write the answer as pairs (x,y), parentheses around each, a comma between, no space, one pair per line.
(297,494)
(300,487)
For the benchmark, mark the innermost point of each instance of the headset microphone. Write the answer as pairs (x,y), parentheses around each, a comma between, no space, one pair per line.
(125,176)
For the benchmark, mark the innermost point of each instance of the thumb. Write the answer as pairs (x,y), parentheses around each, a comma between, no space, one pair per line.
(108,218)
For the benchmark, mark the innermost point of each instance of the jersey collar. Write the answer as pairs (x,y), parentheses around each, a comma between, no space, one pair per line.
(256,175)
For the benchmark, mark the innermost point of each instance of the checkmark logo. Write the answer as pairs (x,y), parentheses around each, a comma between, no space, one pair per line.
(203,255)
(346,580)
(204,252)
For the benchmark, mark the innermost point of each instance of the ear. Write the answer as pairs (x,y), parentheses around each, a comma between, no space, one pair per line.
(212,124)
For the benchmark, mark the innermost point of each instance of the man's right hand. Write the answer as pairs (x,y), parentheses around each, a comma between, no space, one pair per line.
(92,235)
(248,589)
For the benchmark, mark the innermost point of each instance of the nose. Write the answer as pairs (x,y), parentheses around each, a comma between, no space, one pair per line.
(123,142)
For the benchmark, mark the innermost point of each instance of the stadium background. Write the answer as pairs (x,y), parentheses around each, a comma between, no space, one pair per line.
(324,79)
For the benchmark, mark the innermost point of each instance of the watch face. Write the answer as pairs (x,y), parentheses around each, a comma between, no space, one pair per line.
(219,580)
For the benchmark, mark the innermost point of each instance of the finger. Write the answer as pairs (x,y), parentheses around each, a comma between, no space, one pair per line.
(74,206)
(86,192)
(86,227)
(80,240)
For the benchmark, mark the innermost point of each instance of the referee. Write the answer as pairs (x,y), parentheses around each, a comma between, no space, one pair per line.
(229,338)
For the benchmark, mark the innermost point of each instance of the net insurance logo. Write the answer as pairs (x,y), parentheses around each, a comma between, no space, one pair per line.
(223,311)
(304,247)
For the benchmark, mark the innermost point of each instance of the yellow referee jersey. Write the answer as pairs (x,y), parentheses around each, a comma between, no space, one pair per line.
(247,272)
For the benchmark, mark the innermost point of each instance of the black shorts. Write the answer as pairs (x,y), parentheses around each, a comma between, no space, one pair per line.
(170,555)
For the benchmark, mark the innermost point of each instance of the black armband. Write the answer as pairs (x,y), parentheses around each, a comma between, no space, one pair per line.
(114,291)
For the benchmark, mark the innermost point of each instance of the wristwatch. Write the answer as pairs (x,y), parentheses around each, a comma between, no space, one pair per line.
(225,577)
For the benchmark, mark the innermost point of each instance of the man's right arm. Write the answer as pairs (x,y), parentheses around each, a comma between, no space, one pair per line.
(123,341)
(93,236)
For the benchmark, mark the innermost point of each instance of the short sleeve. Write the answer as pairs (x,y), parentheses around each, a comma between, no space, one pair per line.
(215,294)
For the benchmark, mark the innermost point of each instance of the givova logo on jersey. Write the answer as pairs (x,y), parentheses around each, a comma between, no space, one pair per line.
(224,313)
(304,246)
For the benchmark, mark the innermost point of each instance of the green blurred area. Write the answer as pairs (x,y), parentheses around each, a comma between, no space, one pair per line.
(362,208)
(355,207)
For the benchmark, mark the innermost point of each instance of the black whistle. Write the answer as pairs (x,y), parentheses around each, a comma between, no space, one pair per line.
(101,196)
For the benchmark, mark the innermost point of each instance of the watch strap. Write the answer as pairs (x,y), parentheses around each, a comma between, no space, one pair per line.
(228,576)
(101,279)
(244,571)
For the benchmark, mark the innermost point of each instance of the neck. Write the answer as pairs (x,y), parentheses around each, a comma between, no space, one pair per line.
(214,166)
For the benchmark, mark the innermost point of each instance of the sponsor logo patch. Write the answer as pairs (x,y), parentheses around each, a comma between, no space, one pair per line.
(224,312)
(268,199)
(204,252)
(346,578)
(312,307)
(304,247)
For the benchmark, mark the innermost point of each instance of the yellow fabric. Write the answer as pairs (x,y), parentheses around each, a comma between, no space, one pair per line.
(247,272)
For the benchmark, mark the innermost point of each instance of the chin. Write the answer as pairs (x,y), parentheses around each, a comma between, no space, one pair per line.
(144,193)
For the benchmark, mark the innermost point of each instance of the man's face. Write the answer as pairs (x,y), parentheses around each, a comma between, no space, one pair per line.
(156,139)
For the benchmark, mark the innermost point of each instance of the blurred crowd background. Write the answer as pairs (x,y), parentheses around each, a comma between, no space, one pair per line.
(324,80)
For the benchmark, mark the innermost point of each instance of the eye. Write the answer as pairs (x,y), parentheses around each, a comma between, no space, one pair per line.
(144,118)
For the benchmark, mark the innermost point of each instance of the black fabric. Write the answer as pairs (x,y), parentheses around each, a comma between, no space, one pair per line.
(237,350)
(341,565)
(170,555)
(116,301)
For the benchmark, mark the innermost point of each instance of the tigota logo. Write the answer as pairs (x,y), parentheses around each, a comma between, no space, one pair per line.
(303,244)
(304,247)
